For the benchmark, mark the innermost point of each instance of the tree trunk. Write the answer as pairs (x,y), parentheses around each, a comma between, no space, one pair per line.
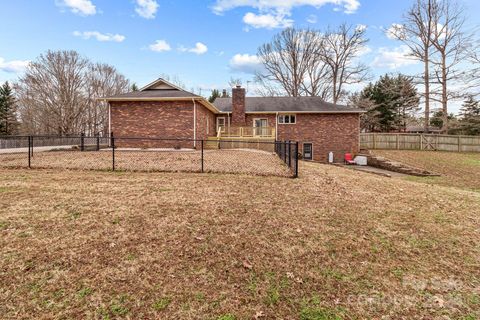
(444,94)
(427,92)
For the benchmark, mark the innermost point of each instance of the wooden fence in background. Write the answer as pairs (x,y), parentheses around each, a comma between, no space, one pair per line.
(418,141)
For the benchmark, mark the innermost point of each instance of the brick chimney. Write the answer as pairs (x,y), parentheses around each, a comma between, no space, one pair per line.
(238,106)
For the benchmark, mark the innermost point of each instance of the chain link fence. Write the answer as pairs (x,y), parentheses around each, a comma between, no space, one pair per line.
(272,158)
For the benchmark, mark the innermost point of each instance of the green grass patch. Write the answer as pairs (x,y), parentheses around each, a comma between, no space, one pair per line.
(162,303)
(273,294)
(5,189)
(84,292)
(429,180)
(118,306)
(227,316)
(74,214)
(3,225)
(312,310)
(472,162)
(334,274)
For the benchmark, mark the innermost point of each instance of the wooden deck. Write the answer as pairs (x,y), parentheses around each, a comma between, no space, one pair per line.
(247,132)
(243,138)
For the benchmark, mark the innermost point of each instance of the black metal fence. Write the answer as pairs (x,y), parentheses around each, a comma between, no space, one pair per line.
(257,157)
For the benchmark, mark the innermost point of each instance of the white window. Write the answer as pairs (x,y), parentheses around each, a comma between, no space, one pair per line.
(287,119)
(308,151)
(221,124)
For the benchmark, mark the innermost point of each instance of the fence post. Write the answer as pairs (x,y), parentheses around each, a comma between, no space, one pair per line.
(296,160)
(98,141)
(29,148)
(284,151)
(289,154)
(459,144)
(112,144)
(202,155)
(374,141)
(82,141)
(398,143)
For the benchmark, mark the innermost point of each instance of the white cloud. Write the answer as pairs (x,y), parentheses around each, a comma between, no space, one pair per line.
(393,58)
(312,19)
(361,27)
(13,66)
(245,63)
(199,48)
(275,13)
(103,37)
(268,21)
(394,31)
(146,8)
(160,46)
(221,6)
(80,7)
(364,50)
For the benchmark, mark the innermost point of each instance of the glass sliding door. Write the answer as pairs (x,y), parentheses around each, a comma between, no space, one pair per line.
(260,127)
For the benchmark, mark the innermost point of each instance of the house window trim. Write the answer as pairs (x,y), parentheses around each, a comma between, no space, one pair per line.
(224,123)
(289,115)
(254,119)
(255,132)
(311,150)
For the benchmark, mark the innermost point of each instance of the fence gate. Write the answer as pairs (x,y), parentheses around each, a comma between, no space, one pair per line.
(428,142)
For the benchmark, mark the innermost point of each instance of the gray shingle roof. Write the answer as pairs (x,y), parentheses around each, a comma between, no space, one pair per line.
(155,94)
(286,104)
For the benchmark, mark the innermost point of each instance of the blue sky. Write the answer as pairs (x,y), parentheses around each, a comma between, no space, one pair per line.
(202,42)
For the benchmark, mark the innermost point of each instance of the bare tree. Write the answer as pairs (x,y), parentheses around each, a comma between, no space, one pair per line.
(416,32)
(473,75)
(308,62)
(451,44)
(51,94)
(287,57)
(233,82)
(339,49)
(102,80)
(58,92)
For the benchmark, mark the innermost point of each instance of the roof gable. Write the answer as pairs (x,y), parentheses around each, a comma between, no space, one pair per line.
(161,84)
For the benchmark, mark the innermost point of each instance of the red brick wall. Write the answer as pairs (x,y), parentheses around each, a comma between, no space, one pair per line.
(206,122)
(158,119)
(339,133)
(328,132)
(152,119)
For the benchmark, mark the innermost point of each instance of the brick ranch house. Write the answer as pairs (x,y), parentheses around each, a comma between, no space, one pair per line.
(164,110)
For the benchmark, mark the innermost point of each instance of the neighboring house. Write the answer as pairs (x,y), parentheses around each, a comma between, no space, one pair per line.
(420,129)
(163,110)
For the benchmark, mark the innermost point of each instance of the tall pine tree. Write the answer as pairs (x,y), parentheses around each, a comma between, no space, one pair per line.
(8,111)
(393,100)
(215,94)
(470,121)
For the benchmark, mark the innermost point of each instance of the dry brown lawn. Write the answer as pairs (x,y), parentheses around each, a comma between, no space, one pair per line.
(248,161)
(333,244)
(460,170)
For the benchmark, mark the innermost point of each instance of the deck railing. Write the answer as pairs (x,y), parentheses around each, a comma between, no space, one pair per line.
(246,132)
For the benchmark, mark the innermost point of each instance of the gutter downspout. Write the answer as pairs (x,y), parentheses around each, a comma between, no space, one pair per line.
(194,123)
(109,119)
(228,119)
(276,126)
